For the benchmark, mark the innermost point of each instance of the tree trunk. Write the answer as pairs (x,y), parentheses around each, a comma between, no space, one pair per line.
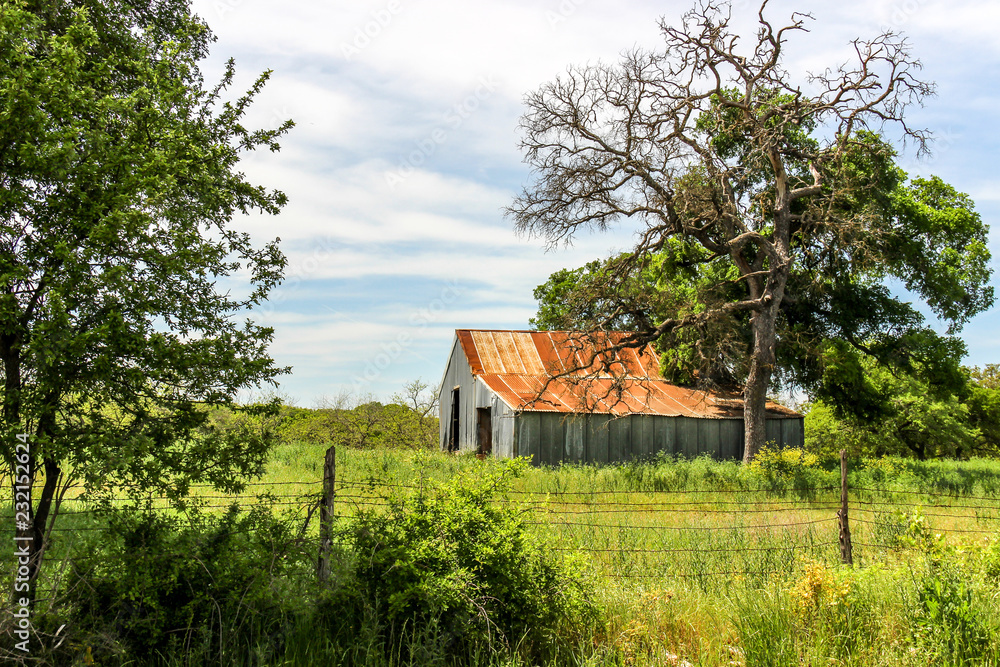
(762,361)
(30,535)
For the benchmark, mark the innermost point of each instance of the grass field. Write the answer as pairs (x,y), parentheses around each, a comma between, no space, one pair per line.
(715,563)
(703,562)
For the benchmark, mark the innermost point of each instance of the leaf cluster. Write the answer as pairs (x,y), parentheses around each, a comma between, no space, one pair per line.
(156,585)
(459,556)
(119,313)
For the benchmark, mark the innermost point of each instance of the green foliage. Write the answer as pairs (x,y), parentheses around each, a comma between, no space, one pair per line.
(119,321)
(554,311)
(765,625)
(371,425)
(929,600)
(938,247)
(991,561)
(789,463)
(826,435)
(154,586)
(453,557)
(988,376)
(408,421)
(929,410)
(983,402)
(950,620)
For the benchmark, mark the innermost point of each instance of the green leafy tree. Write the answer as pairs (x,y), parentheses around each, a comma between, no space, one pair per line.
(408,421)
(118,318)
(916,413)
(983,401)
(787,206)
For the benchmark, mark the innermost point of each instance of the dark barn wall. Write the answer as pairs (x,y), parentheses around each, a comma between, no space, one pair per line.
(550,438)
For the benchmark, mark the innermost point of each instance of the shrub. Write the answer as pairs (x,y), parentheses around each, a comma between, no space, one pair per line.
(950,622)
(207,590)
(458,557)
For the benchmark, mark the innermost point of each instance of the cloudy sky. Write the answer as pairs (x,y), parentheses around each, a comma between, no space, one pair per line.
(405,152)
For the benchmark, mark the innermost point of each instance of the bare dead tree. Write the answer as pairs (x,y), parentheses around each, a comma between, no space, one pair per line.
(710,143)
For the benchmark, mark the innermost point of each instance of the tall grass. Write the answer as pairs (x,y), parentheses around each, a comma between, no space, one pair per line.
(704,562)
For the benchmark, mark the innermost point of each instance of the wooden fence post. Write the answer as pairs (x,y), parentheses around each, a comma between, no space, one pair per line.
(326,513)
(846,554)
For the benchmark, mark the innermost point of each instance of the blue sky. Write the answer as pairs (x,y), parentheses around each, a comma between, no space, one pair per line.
(405,152)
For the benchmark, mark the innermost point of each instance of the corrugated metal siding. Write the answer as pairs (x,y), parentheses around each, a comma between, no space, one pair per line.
(552,438)
(503,429)
(731,439)
(792,434)
(528,435)
(458,374)
(552,433)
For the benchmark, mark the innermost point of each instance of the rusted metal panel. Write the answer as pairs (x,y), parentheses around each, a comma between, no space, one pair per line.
(489,356)
(528,354)
(467,341)
(509,360)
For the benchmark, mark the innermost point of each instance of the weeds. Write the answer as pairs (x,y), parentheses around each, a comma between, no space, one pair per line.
(681,562)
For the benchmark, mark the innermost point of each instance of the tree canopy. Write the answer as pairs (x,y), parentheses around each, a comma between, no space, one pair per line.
(770,212)
(118,319)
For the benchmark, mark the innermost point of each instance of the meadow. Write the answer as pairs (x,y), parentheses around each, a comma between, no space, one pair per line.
(660,562)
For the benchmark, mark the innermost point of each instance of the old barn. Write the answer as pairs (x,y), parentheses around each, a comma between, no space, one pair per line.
(501,394)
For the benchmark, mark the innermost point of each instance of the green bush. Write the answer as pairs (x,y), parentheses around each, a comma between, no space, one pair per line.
(210,590)
(950,622)
(454,564)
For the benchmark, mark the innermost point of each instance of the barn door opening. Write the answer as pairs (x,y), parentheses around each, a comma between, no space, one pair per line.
(484,431)
(455,421)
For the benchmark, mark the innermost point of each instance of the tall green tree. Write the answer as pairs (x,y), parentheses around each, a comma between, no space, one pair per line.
(120,298)
(786,205)
(983,401)
(918,415)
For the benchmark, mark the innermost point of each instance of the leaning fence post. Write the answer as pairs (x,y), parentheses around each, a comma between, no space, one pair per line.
(846,554)
(326,513)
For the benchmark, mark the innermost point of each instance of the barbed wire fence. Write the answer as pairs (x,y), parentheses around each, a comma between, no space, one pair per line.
(625,533)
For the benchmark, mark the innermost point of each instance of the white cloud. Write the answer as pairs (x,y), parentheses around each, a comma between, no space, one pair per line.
(388,107)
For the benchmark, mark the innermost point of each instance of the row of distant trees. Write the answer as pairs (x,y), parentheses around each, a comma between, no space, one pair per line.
(407,421)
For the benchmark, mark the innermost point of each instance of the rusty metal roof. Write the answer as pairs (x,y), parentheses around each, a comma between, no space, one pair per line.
(524,369)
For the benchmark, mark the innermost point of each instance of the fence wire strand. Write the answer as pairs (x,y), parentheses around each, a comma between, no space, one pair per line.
(548,509)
